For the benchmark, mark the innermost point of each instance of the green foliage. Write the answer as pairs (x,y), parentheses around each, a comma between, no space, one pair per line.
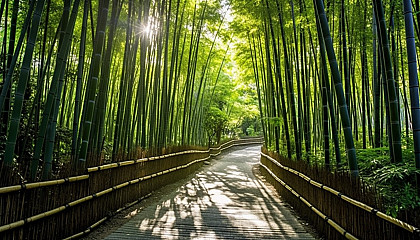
(215,122)
(275,121)
(372,159)
(62,152)
(251,126)
(64,136)
(394,181)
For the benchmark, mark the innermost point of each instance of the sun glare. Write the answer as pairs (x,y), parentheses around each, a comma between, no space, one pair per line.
(149,29)
(146,29)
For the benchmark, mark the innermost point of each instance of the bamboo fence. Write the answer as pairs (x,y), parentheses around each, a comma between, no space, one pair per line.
(338,205)
(73,206)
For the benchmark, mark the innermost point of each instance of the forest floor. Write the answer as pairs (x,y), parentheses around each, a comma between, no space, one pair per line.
(226,199)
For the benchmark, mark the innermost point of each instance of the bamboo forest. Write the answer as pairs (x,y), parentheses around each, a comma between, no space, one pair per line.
(96,94)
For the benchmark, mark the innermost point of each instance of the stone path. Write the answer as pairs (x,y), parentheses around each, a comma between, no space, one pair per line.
(223,201)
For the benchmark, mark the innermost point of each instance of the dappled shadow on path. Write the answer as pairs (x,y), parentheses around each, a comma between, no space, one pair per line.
(223,201)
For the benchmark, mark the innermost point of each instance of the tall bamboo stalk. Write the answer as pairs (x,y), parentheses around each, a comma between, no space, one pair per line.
(414,85)
(345,119)
(93,81)
(289,79)
(21,87)
(395,130)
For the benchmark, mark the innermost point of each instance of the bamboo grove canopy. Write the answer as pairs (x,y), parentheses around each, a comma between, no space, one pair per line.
(90,81)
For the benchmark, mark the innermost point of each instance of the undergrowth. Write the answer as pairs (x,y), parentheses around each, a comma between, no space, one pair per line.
(395,182)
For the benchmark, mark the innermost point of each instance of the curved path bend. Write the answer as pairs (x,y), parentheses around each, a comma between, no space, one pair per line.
(223,201)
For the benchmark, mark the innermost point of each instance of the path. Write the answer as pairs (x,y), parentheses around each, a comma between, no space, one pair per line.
(223,201)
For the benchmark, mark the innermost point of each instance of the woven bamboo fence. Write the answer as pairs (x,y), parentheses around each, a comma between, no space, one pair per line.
(338,205)
(73,206)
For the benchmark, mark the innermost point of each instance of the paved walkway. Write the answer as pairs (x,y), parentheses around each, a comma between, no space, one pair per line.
(223,201)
